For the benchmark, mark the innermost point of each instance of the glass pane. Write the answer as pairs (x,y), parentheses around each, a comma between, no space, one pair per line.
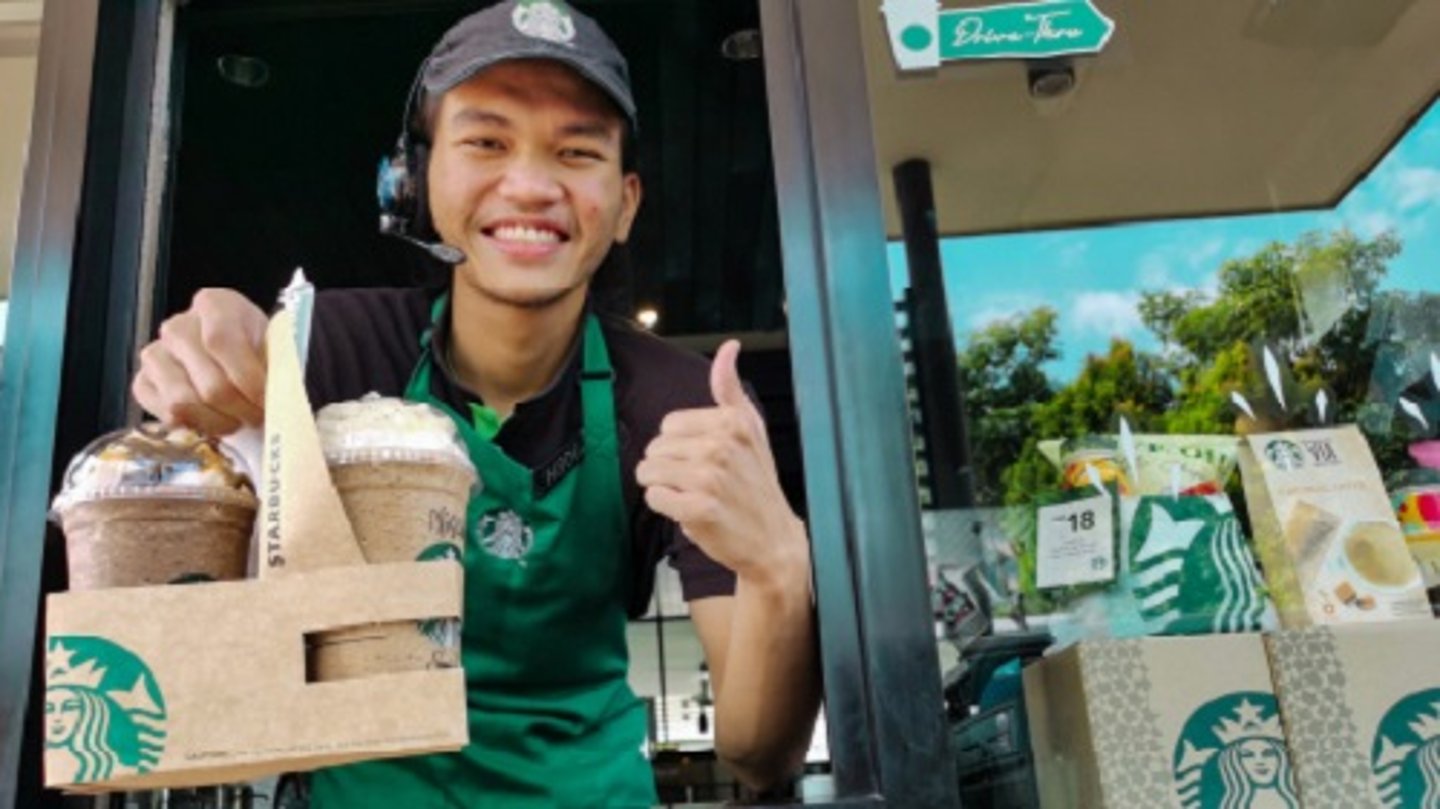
(1221,225)
(19,50)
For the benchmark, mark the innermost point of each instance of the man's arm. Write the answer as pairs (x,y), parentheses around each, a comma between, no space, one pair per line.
(711,471)
(760,648)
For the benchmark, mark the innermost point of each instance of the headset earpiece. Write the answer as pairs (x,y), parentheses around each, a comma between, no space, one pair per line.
(395,191)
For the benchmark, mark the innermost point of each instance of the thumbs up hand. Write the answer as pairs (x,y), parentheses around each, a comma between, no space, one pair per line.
(712,472)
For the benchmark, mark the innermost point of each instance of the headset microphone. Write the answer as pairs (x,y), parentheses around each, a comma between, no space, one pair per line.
(438,250)
(441,251)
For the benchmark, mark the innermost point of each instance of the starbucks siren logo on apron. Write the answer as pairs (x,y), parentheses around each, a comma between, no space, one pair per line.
(1406,754)
(104,713)
(504,535)
(1232,755)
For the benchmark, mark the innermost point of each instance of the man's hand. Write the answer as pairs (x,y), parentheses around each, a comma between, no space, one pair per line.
(712,472)
(207,369)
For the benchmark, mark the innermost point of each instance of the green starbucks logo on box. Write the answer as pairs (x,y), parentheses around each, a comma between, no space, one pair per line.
(1286,455)
(1232,755)
(1406,754)
(104,713)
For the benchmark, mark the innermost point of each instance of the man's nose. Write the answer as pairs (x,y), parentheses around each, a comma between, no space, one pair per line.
(530,181)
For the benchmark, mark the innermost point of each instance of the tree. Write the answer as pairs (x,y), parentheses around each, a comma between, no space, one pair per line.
(1002,373)
(1210,341)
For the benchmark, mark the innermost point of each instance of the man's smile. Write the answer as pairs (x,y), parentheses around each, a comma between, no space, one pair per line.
(526,238)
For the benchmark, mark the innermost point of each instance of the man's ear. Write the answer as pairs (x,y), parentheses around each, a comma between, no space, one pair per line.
(630,195)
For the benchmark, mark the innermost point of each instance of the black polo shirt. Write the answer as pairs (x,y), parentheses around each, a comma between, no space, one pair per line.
(367,340)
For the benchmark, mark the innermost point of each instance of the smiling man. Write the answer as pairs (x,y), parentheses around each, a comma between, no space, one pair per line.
(608,448)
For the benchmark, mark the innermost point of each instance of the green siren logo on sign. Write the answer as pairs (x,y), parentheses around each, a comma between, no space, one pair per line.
(922,36)
(1232,755)
(1406,754)
(104,713)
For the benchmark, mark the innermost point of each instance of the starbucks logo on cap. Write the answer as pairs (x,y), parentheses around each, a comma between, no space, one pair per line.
(1406,754)
(544,19)
(1232,754)
(505,535)
(104,713)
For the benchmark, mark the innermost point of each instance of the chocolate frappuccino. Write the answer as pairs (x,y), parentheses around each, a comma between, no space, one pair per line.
(154,505)
(405,480)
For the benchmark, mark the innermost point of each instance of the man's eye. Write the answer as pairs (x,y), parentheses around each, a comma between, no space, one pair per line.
(581,154)
(485,144)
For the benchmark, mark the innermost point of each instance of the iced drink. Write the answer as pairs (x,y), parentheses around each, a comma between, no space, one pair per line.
(154,505)
(405,480)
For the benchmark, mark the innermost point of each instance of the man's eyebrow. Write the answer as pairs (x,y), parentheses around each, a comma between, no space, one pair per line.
(592,128)
(474,115)
(597,129)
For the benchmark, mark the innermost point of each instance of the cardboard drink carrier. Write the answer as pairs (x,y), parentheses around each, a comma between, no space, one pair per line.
(178,686)
(1361,707)
(1158,723)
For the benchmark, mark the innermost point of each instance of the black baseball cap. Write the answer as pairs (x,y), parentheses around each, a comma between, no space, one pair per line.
(529,29)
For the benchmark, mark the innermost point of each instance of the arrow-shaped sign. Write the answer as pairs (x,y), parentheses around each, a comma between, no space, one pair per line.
(922,35)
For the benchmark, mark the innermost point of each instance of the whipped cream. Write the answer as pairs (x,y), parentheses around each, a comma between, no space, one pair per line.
(388,425)
(153,460)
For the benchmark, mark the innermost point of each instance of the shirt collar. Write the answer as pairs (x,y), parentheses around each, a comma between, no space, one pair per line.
(447,383)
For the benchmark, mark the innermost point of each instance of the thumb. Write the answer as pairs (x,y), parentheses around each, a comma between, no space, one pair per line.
(725,383)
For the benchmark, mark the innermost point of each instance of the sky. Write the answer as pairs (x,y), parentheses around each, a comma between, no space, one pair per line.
(1094,276)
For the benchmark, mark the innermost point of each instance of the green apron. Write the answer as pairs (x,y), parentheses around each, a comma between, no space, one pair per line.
(553,722)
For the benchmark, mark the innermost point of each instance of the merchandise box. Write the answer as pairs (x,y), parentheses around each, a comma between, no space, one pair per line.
(1326,532)
(1161,723)
(1361,708)
(198,684)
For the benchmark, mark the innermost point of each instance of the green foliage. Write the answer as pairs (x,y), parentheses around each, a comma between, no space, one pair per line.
(1209,341)
(1002,374)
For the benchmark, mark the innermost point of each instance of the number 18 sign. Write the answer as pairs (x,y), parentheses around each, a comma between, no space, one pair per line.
(1075,543)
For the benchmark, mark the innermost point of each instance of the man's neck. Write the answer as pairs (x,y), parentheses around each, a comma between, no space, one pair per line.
(509,354)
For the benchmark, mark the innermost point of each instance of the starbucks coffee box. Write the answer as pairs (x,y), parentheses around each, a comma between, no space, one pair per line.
(1325,531)
(182,686)
(1361,708)
(1159,723)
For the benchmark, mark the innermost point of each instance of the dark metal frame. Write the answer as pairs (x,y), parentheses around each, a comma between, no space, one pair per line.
(882,683)
(73,307)
(71,331)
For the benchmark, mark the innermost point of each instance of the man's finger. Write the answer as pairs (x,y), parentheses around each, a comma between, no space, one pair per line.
(241,358)
(725,385)
(172,396)
(685,508)
(214,387)
(685,447)
(678,474)
(701,421)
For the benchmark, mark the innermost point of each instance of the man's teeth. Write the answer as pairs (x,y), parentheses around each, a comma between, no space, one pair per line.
(524,234)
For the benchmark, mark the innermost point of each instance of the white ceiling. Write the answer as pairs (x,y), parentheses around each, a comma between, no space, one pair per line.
(1195,108)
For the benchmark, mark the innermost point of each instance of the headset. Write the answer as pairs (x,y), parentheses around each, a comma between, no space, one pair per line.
(400,185)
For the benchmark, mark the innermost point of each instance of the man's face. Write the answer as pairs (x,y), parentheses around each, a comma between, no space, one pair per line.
(525,177)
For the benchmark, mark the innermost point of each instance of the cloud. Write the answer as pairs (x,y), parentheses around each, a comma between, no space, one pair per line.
(992,308)
(1185,257)
(1072,254)
(1370,222)
(1113,314)
(1415,188)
